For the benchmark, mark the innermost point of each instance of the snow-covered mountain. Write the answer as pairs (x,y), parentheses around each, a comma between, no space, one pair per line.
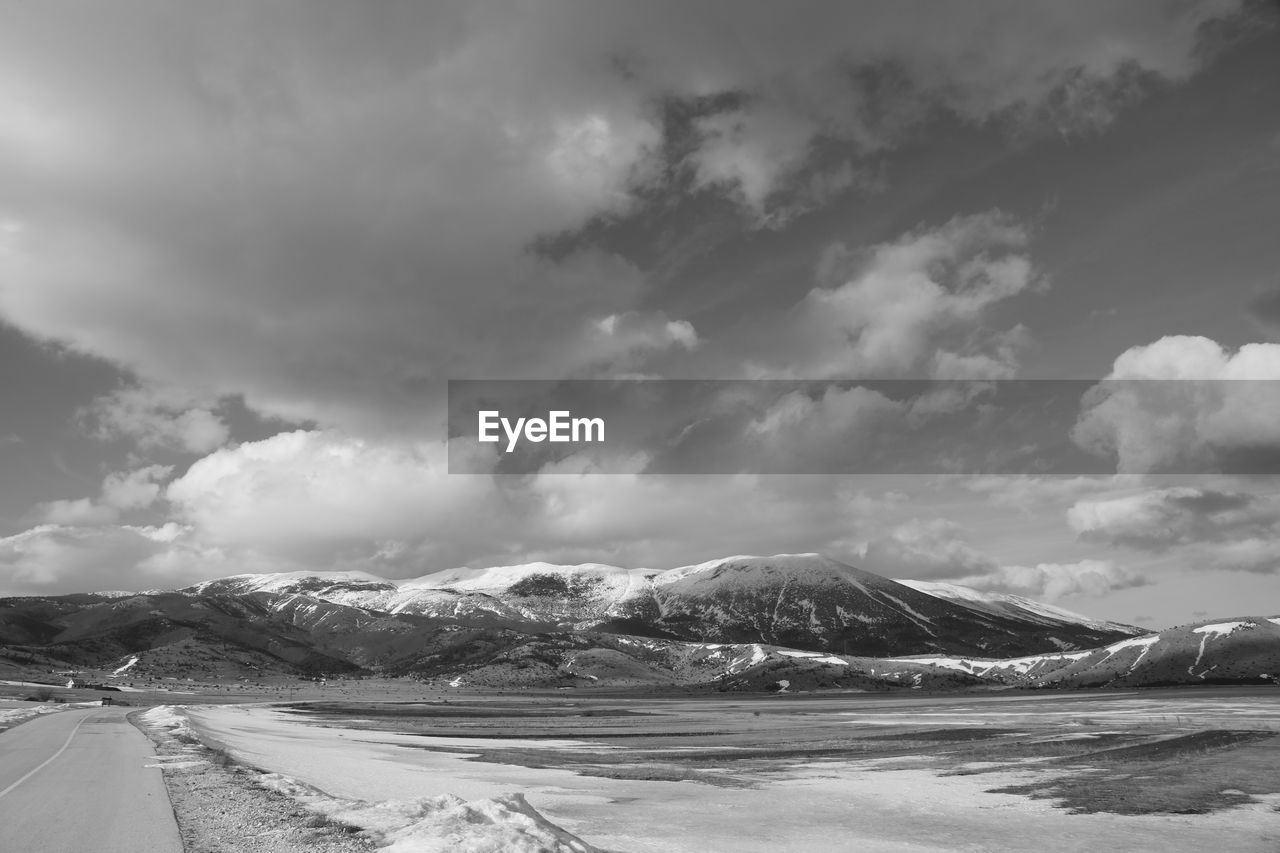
(804,601)
(1024,608)
(1241,650)
(800,620)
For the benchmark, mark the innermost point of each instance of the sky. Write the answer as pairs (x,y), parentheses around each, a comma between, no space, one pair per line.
(245,246)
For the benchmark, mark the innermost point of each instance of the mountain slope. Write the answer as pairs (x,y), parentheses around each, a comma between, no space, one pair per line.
(808,601)
(1015,605)
(805,601)
(1245,650)
(740,621)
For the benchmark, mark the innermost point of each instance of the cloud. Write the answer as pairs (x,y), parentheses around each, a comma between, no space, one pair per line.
(1259,554)
(156,417)
(307,494)
(923,549)
(52,558)
(121,492)
(936,549)
(323,500)
(1055,581)
(1212,410)
(137,489)
(839,430)
(78,511)
(323,496)
(1160,519)
(1029,494)
(750,153)
(329,210)
(624,341)
(915,307)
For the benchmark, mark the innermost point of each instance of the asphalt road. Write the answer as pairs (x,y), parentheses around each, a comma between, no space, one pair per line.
(77,782)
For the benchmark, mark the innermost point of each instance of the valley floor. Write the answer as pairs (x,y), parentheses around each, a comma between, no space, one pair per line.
(1175,770)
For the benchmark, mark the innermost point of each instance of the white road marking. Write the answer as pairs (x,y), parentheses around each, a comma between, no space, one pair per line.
(48,760)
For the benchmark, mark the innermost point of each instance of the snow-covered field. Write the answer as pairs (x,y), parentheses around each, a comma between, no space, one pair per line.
(12,713)
(812,806)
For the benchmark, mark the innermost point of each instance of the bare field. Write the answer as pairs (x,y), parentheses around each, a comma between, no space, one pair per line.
(1138,770)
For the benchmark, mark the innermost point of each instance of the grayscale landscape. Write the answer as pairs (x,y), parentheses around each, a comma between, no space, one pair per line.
(721,426)
(540,726)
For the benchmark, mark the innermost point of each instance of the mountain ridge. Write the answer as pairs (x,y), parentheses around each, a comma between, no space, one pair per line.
(732,591)
(734,623)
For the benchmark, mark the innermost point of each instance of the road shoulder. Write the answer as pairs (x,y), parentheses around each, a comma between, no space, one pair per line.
(219,807)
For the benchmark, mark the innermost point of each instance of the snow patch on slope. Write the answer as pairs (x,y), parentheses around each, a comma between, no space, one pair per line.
(1225,629)
(1216,630)
(1148,641)
(128,666)
(817,657)
(1004,604)
(984,666)
(748,571)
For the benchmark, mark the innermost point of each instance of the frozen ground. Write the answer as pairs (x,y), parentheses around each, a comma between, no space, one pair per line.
(768,786)
(14,712)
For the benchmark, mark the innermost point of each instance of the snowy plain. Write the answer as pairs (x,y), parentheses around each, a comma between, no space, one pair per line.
(841,805)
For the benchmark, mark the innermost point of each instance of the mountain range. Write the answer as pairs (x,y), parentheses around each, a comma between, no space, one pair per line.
(799,620)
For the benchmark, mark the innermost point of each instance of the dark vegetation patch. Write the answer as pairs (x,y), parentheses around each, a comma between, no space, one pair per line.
(1016,750)
(453,710)
(956,735)
(720,767)
(547,585)
(1194,774)
(1184,746)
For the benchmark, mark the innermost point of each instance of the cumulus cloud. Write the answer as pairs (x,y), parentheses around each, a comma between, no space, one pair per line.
(1159,519)
(326,500)
(1054,581)
(137,489)
(76,511)
(63,558)
(937,549)
(309,493)
(121,491)
(1205,528)
(325,210)
(624,341)
(52,559)
(840,430)
(750,153)
(914,307)
(322,496)
(157,417)
(1212,409)
(925,549)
